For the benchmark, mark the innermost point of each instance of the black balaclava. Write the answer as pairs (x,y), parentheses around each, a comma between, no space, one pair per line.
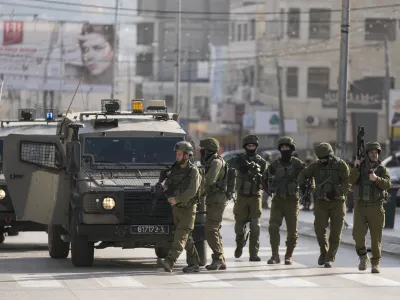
(286,155)
(205,155)
(324,163)
(251,153)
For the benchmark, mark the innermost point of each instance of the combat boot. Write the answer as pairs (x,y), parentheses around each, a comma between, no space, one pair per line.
(375,268)
(238,251)
(328,264)
(216,264)
(288,256)
(275,259)
(254,257)
(321,259)
(364,259)
(191,269)
(166,264)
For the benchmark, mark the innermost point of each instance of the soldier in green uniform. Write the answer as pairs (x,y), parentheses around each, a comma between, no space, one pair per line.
(181,187)
(331,175)
(371,181)
(214,186)
(285,203)
(248,206)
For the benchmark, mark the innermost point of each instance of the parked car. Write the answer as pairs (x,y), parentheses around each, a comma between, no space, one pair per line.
(392,163)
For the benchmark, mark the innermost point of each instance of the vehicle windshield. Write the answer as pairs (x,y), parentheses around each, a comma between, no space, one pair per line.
(1,151)
(132,150)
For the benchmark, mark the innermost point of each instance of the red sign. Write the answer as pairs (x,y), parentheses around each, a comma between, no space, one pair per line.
(13,33)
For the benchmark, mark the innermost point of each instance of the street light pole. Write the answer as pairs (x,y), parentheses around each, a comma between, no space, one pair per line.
(178,57)
(342,101)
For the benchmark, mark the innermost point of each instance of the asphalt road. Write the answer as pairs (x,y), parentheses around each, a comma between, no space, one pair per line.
(26,272)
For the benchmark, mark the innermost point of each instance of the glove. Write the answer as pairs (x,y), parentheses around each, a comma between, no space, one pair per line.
(330,195)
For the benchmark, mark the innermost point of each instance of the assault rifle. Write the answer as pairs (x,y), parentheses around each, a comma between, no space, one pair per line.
(360,143)
(255,171)
(306,197)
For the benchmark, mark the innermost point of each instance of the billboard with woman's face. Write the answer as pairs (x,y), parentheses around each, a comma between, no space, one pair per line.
(55,56)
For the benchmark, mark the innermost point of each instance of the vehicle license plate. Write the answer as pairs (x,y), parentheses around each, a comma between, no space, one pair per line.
(149,229)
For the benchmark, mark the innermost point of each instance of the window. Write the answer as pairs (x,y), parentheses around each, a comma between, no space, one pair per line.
(239,38)
(293,28)
(379,29)
(138,91)
(145,34)
(245,32)
(1,155)
(292,82)
(41,154)
(144,64)
(131,150)
(318,82)
(320,24)
(200,102)
(253,29)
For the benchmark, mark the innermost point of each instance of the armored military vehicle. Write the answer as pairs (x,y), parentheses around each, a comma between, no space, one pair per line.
(100,171)
(27,124)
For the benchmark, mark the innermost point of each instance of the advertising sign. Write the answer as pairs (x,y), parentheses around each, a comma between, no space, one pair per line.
(55,56)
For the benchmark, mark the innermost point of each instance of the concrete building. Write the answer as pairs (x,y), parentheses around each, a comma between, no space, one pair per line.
(303,37)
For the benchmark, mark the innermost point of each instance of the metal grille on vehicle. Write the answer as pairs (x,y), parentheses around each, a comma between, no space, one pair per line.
(142,208)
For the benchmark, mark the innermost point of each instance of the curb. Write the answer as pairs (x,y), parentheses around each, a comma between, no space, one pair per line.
(306,229)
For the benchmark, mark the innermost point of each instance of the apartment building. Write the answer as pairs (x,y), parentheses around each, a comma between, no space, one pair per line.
(303,39)
(206,24)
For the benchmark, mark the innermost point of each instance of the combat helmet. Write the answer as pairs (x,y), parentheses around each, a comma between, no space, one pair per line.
(210,144)
(373,146)
(250,139)
(286,140)
(323,150)
(185,147)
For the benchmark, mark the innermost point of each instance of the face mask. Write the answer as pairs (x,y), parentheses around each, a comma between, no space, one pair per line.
(251,152)
(286,155)
(324,163)
(203,153)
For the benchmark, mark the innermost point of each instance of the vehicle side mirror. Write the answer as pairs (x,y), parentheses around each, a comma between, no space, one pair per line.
(74,157)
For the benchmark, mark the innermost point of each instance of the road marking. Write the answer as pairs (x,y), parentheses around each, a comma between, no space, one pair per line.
(37,281)
(117,281)
(282,280)
(203,280)
(370,279)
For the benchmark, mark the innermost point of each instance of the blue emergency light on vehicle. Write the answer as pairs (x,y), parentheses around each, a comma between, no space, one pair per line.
(49,113)
(49,116)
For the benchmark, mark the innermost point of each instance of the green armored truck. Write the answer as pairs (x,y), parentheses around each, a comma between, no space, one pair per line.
(95,180)
(26,124)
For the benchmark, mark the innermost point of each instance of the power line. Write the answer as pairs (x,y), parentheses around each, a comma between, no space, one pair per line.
(205,19)
(208,13)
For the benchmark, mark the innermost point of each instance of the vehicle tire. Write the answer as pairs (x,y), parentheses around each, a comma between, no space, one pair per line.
(82,251)
(12,232)
(201,248)
(57,247)
(2,238)
(161,252)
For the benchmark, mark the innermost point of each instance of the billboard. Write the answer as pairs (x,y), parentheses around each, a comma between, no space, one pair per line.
(55,56)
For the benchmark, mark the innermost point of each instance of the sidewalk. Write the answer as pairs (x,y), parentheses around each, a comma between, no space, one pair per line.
(390,240)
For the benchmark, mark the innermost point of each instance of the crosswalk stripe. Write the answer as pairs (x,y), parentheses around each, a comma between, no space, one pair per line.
(37,281)
(117,281)
(370,279)
(282,280)
(203,280)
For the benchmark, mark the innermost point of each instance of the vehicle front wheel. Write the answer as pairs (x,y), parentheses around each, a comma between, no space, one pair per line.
(161,252)
(57,247)
(82,251)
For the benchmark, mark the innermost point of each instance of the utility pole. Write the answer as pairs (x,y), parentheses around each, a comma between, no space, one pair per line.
(189,84)
(386,92)
(280,98)
(178,58)
(342,103)
(115,47)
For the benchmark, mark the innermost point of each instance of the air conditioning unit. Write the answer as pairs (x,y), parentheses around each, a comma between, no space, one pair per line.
(312,121)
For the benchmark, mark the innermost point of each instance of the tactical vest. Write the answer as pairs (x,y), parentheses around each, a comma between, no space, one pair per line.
(221,183)
(286,180)
(247,184)
(179,181)
(327,180)
(369,191)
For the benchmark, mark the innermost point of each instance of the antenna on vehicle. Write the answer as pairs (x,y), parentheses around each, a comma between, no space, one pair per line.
(70,104)
(180,109)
